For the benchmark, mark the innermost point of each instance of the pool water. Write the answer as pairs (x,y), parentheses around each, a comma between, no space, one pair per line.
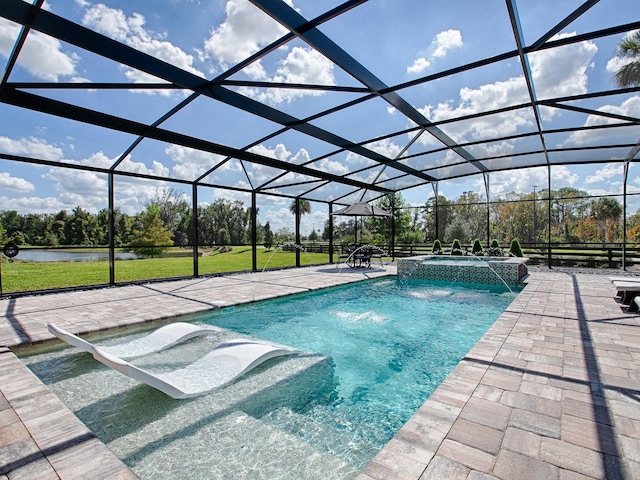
(377,350)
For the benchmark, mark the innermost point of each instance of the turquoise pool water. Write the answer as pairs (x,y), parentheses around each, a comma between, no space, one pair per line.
(376,351)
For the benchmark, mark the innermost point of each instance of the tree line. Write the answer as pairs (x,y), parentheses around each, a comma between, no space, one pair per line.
(576,217)
(167,219)
(566,215)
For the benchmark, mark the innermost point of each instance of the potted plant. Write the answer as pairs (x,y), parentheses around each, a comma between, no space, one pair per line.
(494,249)
(477,248)
(437,248)
(514,248)
(456,248)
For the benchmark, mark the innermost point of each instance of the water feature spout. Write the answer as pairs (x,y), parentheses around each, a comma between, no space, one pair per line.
(490,268)
(278,248)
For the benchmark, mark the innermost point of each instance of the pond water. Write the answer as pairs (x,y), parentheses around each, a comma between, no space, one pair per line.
(33,255)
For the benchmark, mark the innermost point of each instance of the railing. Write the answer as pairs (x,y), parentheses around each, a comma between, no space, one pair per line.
(590,256)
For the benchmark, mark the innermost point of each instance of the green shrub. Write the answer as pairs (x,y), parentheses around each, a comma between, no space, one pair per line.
(456,248)
(437,247)
(515,249)
(494,249)
(477,247)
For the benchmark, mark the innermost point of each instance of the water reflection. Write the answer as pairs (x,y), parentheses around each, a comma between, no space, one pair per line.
(31,255)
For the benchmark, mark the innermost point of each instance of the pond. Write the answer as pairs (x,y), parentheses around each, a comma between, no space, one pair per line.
(35,255)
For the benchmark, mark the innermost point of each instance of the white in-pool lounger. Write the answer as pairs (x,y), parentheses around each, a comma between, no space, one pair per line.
(226,362)
(221,366)
(155,341)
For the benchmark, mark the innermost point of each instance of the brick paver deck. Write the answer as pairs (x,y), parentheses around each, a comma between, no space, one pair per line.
(552,390)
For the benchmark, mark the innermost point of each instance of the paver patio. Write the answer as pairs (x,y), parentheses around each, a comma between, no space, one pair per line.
(551,391)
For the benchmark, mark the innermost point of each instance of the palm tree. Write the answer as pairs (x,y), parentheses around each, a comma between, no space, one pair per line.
(305,207)
(603,210)
(629,48)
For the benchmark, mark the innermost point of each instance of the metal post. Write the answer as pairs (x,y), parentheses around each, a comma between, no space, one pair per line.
(330,233)
(486,188)
(434,185)
(254,232)
(111,229)
(624,215)
(535,226)
(393,227)
(549,216)
(297,249)
(194,227)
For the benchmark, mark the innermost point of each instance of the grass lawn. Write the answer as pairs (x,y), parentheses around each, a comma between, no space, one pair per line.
(20,276)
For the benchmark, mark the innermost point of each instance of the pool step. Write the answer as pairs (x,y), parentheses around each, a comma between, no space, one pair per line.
(340,440)
(241,446)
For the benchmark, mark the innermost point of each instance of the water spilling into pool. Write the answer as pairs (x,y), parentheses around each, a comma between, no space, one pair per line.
(377,351)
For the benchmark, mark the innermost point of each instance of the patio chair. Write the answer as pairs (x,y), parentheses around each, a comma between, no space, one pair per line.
(627,290)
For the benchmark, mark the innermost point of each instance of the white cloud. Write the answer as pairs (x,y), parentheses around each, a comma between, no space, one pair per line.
(561,176)
(301,157)
(419,65)
(445,41)
(607,172)
(491,150)
(100,160)
(615,63)
(280,152)
(41,55)
(261,173)
(331,166)
(89,189)
(556,72)
(110,22)
(190,163)
(385,147)
(245,31)
(26,205)
(301,65)
(562,71)
(522,180)
(630,107)
(8,182)
(30,147)
(131,31)
(440,46)
(486,97)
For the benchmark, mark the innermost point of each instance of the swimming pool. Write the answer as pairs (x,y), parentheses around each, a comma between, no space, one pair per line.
(380,348)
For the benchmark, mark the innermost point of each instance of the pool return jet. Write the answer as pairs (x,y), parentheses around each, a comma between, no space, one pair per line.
(225,363)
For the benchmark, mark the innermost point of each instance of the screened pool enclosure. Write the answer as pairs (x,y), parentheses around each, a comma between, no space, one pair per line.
(288,111)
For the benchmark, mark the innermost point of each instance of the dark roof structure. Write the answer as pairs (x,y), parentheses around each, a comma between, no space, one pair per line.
(431,148)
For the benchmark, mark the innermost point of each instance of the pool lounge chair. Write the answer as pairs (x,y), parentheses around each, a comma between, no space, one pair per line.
(624,279)
(155,341)
(221,366)
(627,290)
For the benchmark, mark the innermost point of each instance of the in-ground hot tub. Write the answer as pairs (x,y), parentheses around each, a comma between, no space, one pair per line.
(468,269)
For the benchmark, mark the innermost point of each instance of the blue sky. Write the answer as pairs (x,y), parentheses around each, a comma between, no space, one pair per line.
(398,40)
